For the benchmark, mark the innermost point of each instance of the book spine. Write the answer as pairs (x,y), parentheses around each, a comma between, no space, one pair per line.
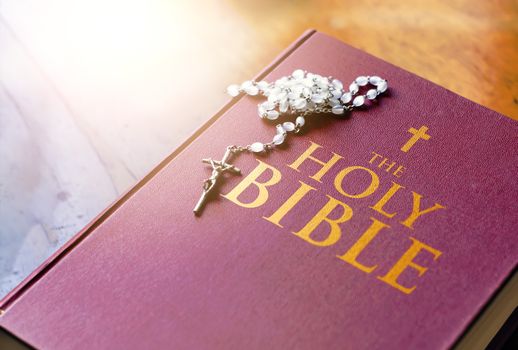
(78,238)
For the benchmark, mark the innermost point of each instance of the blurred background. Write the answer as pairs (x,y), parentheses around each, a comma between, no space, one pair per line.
(90,90)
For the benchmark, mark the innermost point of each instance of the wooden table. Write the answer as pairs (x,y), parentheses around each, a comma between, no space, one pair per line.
(89,89)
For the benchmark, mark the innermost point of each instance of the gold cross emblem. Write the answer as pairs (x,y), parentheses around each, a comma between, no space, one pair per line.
(417,135)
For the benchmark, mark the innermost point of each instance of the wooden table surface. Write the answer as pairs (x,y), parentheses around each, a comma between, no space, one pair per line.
(89,88)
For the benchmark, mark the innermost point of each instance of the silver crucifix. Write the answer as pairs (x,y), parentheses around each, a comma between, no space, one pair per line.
(218,168)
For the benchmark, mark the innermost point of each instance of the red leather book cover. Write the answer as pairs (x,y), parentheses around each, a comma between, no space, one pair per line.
(398,241)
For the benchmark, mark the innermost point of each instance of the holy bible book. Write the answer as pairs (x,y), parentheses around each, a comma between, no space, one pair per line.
(392,228)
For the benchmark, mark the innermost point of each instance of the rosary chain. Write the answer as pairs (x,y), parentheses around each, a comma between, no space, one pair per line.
(302,94)
(236,149)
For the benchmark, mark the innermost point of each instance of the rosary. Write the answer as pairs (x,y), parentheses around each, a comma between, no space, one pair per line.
(300,94)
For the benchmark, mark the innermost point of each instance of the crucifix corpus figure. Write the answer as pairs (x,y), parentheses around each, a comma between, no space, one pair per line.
(218,168)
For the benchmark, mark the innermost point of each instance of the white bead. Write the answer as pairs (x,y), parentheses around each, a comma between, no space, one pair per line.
(246,84)
(288,126)
(353,88)
(293,95)
(333,102)
(294,83)
(298,74)
(337,84)
(267,105)
(279,139)
(272,115)
(358,101)
(323,86)
(297,88)
(382,86)
(252,90)
(261,111)
(320,81)
(257,147)
(300,121)
(308,82)
(362,80)
(317,98)
(283,106)
(263,85)
(346,98)
(280,129)
(299,104)
(275,90)
(233,90)
(273,98)
(306,92)
(316,77)
(336,93)
(371,94)
(374,80)
(281,81)
(338,109)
